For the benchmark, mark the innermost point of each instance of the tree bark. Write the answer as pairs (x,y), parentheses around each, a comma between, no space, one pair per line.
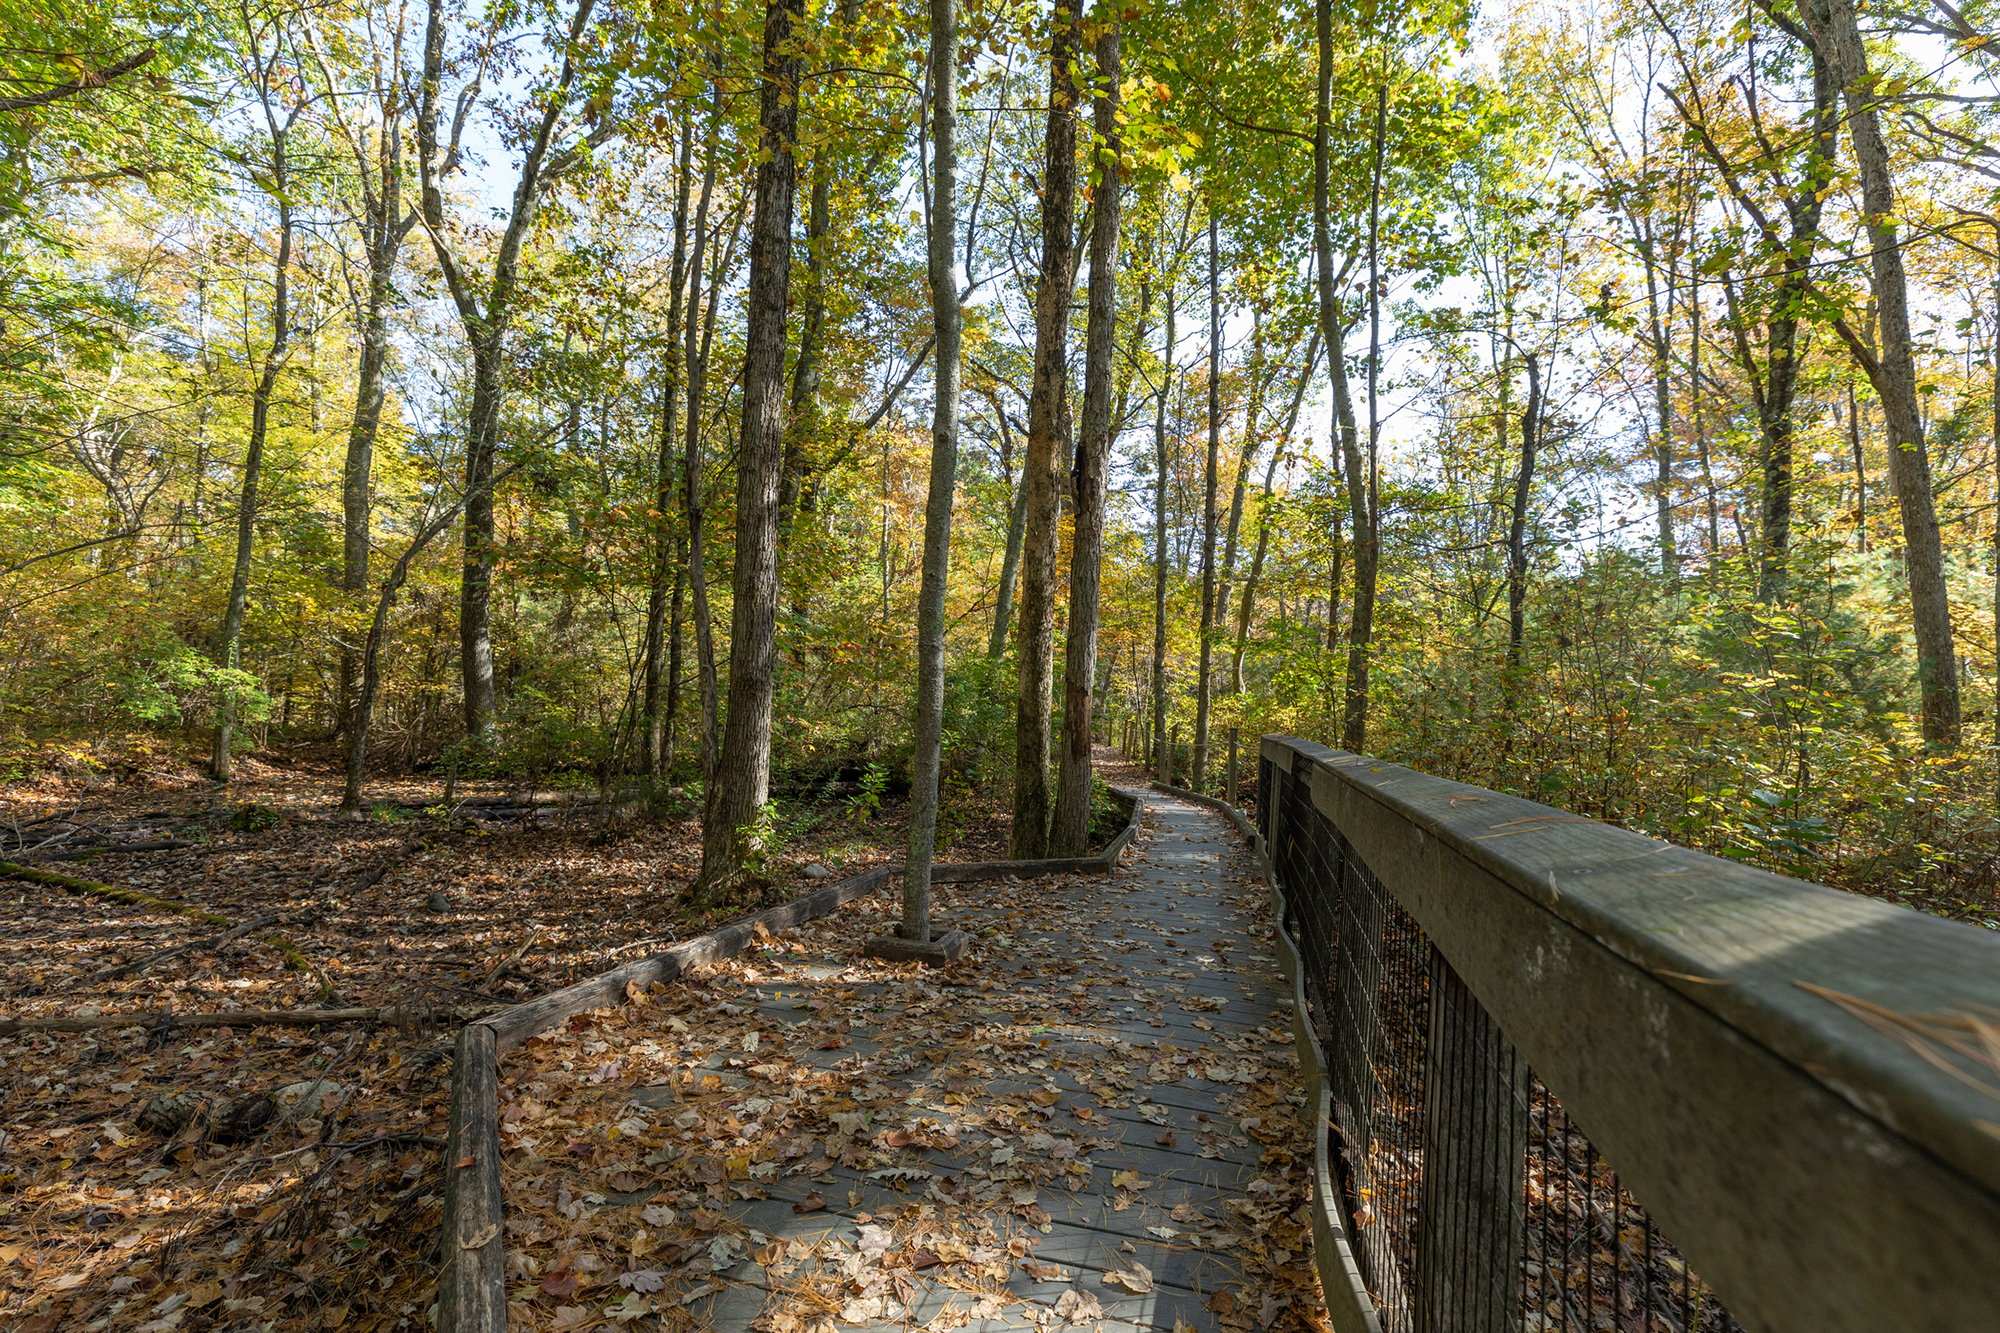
(1047,408)
(942,249)
(486,320)
(1162,760)
(1070,829)
(653,724)
(1210,482)
(1257,382)
(1367,511)
(1010,560)
(1249,600)
(222,760)
(1361,619)
(1517,528)
(1893,370)
(356,756)
(693,499)
(743,777)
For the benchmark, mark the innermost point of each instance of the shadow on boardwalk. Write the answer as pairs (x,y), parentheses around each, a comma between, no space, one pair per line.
(1093,1121)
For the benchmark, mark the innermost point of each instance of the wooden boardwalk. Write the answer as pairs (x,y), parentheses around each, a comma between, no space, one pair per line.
(1092,1122)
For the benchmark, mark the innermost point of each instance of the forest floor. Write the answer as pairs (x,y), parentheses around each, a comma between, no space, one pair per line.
(285,1177)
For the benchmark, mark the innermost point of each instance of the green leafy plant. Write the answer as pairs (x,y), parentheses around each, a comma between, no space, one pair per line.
(866,802)
(253,818)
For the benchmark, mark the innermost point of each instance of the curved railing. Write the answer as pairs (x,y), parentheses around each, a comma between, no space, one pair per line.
(1577,1078)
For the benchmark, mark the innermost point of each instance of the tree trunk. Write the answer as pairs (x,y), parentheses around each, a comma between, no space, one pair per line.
(371,659)
(1070,829)
(693,499)
(486,320)
(1010,566)
(942,250)
(475,598)
(1517,529)
(1894,372)
(1047,407)
(1860,465)
(358,467)
(1367,511)
(1161,761)
(743,778)
(1249,599)
(1362,618)
(653,726)
(1211,463)
(222,760)
(1246,458)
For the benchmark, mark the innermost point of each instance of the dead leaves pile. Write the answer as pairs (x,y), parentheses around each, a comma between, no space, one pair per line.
(292,1221)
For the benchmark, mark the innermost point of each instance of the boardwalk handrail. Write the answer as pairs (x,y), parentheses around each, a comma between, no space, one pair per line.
(1798,1089)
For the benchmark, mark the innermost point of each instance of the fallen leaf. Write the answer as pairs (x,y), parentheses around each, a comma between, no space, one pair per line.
(1138,1279)
(1077,1306)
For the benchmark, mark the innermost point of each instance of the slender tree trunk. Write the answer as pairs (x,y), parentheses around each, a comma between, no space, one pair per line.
(1047,409)
(1249,600)
(1893,370)
(653,729)
(1700,428)
(1162,760)
(942,250)
(475,601)
(671,709)
(693,487)
(1660,318)
(222,760)
(356,756)
(1246,458)
(357,469)
(1860,468)
(1361,620)
(486,320)
(1517,530)
(806,365)
(1070,830)
(743,778)
(1010,567)
(1211,464)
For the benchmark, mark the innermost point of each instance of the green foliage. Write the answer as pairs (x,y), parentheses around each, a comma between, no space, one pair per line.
(1107,816)
(174,685)
(866,802)
(253,818)
(979,694)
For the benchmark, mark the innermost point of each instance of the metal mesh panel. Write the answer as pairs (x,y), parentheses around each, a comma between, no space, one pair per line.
(1591,1259)
(1377,1068)
(1474,1204)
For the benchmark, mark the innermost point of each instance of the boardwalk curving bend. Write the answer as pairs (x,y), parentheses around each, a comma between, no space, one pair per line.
(1093,1121)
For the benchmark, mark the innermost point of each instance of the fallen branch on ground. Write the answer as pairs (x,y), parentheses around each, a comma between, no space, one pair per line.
(120,848)
(96,889)
(139,965)
(245,1018)
(498,969)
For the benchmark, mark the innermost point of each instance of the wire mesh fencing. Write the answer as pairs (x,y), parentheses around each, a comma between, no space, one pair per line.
(1473,1201)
